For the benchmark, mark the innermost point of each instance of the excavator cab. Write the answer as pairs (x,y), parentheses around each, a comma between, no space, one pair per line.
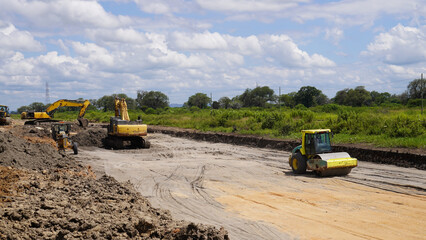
(60,133)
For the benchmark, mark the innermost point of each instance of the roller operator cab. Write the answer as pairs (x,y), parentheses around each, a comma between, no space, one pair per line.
(316,154)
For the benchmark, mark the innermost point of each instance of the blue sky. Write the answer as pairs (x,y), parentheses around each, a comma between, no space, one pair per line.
(88,49)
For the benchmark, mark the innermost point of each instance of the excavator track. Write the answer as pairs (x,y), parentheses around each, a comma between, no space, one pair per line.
(119,142)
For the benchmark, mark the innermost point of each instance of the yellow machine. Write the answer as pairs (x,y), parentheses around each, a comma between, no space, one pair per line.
(48,114)
(4,115)
(60,133)
(315,154)
(122,131)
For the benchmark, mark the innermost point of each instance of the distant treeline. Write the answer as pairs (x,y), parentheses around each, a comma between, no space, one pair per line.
(307,96)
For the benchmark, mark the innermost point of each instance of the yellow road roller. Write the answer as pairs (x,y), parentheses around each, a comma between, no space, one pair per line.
(315,154)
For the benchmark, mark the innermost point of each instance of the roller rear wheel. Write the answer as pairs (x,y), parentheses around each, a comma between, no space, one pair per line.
(298,163)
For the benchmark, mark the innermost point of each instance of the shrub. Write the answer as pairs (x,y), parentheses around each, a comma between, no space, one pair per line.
(300,107)
(150,111)
(331,108)
(194,109)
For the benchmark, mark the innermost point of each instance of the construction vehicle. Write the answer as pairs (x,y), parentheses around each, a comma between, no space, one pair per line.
(38,117)
(315,154)
(4,115)
(60,133)
(122,131)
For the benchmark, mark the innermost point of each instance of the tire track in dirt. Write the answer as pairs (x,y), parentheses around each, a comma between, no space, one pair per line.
(254,195)
(178,183)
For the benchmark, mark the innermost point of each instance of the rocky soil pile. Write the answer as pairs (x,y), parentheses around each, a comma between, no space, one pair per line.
(68,205)
(46,195)
(31,153)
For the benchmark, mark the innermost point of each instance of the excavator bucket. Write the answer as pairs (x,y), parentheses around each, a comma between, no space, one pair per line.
(332,164)
(83,122)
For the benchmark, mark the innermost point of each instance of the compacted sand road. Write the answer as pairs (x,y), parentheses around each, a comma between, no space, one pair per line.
(254,195)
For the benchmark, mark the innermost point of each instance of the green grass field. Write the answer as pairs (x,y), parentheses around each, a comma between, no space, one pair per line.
(381,126)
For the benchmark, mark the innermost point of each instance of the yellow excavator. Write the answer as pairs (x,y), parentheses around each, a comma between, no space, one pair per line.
(4,115)
(38,117)
(124,133)
(315,154)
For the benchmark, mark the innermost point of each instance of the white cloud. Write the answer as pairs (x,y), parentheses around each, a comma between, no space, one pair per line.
(401,45)
(284,50)
(342,13)
(118,35)
(166,7)
(181,47)
(12,39)
(248,6)
(93,54)
(280,47)
(334,35)
(198,41)
(57,14)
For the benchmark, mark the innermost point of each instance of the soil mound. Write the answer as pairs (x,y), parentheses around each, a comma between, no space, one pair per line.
(71,205)
(21,153)
(92,137)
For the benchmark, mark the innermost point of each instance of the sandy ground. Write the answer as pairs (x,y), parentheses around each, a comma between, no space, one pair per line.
(253,194)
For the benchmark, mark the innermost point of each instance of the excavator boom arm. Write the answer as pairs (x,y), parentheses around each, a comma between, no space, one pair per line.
(68,103)
(121,109)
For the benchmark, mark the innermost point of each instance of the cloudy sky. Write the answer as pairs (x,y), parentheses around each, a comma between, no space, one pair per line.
(88,49)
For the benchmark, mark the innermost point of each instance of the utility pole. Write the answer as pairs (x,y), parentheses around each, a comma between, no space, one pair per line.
(423,85)
(279,97)
(47,93)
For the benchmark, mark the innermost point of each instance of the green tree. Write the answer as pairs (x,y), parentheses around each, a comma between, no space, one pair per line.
(309,96)
(152,99)
(379,98)
(258,97)
(225,102)
(23,109)
(199,100)
(353,97)
(416,87)
(235,103)
(37,106)
(106,103)
(215,105)
(288,99)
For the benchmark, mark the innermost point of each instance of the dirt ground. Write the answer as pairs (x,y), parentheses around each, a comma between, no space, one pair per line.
(240,190)
(48,195)
(252,193)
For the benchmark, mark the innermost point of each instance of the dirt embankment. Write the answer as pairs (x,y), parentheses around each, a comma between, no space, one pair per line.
(31,152)
(47,195)
(398,157)
(92,137)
